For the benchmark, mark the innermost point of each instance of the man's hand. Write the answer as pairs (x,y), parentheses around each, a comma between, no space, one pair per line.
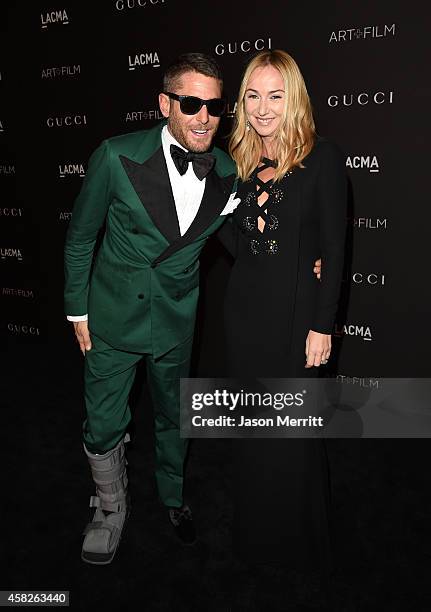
(82,335)
(317,349)
(317,267)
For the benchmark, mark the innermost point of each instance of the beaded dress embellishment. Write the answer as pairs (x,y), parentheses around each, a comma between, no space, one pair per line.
(250,222)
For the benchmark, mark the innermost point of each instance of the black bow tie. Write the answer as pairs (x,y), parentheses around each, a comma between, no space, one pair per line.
(202,162)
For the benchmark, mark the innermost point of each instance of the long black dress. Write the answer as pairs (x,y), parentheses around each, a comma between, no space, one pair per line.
(281,486)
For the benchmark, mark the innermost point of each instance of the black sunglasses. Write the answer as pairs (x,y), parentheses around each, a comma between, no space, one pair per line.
(190,105)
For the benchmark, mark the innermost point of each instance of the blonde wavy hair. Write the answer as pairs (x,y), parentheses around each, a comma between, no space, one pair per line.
(296,133)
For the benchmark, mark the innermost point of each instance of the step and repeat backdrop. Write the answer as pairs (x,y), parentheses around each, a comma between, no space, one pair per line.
(75,73)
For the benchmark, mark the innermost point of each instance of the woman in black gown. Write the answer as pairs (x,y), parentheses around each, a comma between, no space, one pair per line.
(278,315)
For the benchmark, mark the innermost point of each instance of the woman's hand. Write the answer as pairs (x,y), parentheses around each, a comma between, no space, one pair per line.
(317,268)
(317,349)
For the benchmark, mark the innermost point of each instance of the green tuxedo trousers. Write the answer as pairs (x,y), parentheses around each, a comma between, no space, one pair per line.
(108,376)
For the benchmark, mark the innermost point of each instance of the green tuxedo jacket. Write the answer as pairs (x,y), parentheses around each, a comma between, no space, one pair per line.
(141,290)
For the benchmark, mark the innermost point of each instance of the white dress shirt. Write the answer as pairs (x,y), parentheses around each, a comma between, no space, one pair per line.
(187,190)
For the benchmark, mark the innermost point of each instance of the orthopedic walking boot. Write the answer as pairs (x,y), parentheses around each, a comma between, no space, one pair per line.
(112,503)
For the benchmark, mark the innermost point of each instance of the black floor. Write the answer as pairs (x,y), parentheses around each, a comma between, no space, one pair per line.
(381,514)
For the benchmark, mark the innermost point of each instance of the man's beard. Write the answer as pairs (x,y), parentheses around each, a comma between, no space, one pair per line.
(176,130)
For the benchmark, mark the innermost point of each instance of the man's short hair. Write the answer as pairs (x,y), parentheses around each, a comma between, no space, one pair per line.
(191,62)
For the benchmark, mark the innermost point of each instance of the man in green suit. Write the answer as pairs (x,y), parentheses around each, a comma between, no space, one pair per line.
(160,195)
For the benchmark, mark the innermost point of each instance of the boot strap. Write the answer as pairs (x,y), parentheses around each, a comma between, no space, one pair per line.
(99,525)
(107,478)
(96,502)
(111,458)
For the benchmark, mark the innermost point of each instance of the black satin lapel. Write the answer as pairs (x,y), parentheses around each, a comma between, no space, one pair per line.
(151,182)
(216,195)
(214,200)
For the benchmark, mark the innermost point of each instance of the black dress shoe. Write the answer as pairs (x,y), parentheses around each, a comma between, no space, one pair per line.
(182,521)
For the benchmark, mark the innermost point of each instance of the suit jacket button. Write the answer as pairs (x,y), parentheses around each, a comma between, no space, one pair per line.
(141,296)
(135,230)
